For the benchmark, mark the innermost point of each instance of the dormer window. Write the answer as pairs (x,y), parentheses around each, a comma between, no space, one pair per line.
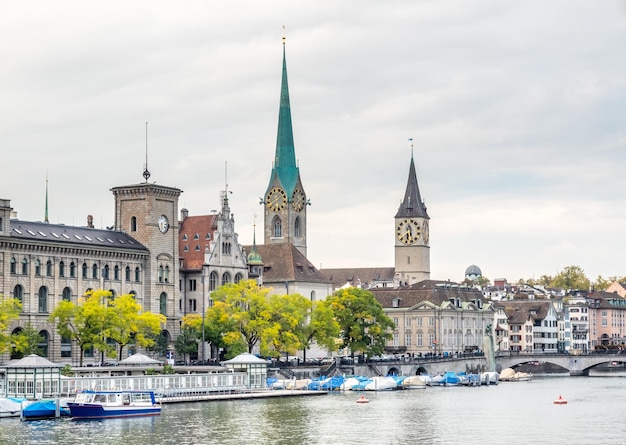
(185,237)
(208,236)
(196,237)
(395,302)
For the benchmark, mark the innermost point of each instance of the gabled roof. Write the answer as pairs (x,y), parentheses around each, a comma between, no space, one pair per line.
(437,292)
(358,275)
(191,250)
(32,361)
(284,262)
(44,233)
(520,311)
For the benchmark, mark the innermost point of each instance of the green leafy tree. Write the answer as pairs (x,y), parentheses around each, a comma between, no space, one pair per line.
(364,327)
(187,342)
(159,344)
(85,322)
(128,324)
(27,341)
(9,312)
(570,278)
(322,327)
(287,317)
(602,283)
(245,309)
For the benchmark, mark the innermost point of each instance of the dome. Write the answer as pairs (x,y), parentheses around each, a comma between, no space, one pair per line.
(254,257)
(473,270)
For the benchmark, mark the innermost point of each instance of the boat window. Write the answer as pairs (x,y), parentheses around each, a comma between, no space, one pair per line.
(111,398)
(100,398)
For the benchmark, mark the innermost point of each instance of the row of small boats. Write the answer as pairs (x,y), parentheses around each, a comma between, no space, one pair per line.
(385,383)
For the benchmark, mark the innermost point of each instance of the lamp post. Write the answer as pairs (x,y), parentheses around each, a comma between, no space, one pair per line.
(204,270)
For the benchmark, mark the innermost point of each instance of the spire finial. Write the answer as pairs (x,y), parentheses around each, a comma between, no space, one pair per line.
(411,141)
(46,215)
(146,172)
(284,35)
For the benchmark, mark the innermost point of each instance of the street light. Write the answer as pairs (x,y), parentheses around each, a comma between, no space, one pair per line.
(204,270)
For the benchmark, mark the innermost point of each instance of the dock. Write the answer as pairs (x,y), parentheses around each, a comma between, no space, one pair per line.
(259,394)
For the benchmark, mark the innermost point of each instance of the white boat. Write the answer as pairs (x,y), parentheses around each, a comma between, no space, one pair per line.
(104,404)
(381,384)
(10,407)
(489,378)
(413,382)
(510,375)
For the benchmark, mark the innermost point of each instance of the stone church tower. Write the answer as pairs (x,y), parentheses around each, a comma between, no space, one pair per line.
(285,202)
(412,248)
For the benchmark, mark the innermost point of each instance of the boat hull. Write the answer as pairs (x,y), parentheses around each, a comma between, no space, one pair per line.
(96,411)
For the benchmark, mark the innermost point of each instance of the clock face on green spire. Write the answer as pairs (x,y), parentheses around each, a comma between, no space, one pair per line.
(298,200)
(276,199)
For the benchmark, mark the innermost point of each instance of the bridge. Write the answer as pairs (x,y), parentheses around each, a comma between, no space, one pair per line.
(576,365)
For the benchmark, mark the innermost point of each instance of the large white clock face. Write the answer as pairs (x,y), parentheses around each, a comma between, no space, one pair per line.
(164,225)
(408,231)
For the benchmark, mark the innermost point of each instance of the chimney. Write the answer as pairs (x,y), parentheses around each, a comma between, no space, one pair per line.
(90,221)
(184,213)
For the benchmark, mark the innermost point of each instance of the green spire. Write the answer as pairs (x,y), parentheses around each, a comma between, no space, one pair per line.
(254,258)
(285,161)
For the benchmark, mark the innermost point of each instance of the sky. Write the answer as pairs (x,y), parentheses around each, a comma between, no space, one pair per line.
(516,110)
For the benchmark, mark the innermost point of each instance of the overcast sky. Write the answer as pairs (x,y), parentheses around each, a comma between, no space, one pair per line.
(516,109)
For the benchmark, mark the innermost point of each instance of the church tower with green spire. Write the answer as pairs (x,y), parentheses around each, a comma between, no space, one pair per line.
(285,201)
(412,248)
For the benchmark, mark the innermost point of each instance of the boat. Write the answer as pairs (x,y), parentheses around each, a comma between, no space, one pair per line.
(43,409)
(413,382)
(560,401)
(10,406)
(489,378)
(509,375)
(90,404)
(381,384)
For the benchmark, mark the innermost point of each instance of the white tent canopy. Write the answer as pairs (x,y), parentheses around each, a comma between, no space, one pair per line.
(139,359)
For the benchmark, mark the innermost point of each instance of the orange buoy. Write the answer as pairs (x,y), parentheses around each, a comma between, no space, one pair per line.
(362,399)
(560,401)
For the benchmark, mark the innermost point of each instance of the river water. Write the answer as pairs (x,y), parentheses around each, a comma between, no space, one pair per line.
(520,412)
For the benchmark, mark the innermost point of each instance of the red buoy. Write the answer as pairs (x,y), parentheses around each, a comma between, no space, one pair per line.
(362,399)
(560,401)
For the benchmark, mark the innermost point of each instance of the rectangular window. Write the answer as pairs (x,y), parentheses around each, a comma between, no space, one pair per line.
(407,338)
(407,322)
(419,340)
(192,285)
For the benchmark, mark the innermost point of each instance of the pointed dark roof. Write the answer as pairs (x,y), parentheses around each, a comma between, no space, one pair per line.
(285,167)
(365,276)
(412,205)
(284,262)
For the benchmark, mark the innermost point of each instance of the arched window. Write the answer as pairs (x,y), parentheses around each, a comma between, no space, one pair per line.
(137,274)
(66,347)
(105,272)
(61,269)
(13,266)
(67,294)
(134,294)
(163,304)
(43,346)
(127,274)
(85,268)
(116,273)
(312,295)
(296,228)
(48,268)
(213,281)
(225,278)
(277,227)
(37,267)
(43,299)
(133,224)
(160,274)
(72,270)
(24,266)
(18,293)
(166,274)
(238,278)
(94,271)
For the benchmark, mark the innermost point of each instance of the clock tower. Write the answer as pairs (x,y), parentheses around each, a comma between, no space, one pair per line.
(285,201)
(412,244)
(149,213)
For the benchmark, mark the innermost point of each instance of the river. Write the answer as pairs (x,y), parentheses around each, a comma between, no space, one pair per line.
(520,412)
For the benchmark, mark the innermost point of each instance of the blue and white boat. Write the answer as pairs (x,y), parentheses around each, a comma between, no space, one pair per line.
(104,404)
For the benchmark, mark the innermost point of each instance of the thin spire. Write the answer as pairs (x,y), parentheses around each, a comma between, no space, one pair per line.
(412,204)
(46,214)
(146,172)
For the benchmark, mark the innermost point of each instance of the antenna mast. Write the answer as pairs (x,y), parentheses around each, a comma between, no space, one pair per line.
(146,172)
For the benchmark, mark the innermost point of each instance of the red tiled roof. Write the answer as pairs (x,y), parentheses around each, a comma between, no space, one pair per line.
(191,250)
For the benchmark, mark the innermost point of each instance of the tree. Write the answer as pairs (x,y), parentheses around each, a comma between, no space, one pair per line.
(571,278)
(127,324)
(187,342)
(363,325)
(27,341)
(601,283)
(321,328)
(85,322)
(245,307)
(159,344)
(285,324)
(9,312)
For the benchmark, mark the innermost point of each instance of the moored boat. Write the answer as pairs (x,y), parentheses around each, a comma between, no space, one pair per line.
(43,409)
(103,404)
